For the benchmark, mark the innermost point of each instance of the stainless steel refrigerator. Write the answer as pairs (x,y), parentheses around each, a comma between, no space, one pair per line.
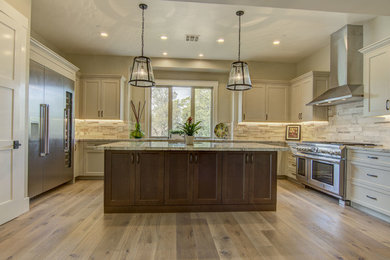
(51,129)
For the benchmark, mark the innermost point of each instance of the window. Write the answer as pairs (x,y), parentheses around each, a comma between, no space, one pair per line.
(171,105)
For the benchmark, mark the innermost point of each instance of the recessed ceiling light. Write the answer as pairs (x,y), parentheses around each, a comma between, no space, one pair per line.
(165,53)
(276,42)
(220,40)
(163,37)
(104,34)
(201,55)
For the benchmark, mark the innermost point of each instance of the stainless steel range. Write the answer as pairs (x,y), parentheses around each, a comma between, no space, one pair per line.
(322,165)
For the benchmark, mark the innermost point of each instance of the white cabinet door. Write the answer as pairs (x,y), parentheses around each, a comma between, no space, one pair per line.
(295,102)
(110,99)
(306,92)
(377,82)
(254,104)
(276,103)
(93,163)
(91,99)
(13,67)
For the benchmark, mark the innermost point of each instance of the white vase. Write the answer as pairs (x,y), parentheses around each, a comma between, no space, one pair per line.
(189,140)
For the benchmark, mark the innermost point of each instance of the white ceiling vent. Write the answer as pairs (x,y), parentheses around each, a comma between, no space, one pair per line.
(192,37)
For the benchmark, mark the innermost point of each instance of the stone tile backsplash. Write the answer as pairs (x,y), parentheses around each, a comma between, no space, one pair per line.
(346,123)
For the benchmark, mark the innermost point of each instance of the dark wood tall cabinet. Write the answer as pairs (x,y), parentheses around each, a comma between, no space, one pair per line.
(178,177)
(207,169)
(149,178)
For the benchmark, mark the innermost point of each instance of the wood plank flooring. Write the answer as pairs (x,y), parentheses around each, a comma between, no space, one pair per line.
(68,223)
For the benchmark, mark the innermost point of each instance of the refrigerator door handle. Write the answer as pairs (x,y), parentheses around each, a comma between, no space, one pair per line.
(66,130)
(47,130)
(42,123)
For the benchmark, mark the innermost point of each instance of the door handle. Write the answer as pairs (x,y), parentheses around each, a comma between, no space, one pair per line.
(370,197)
(196,158)
(16,144)
(138,159)
(47,139)
(42,131)
(252,158)
(98,113)
(372,157)
(102,113)
(190,157)
(132,157)
(266,116)
(247,158)
(372,175)
(388,105)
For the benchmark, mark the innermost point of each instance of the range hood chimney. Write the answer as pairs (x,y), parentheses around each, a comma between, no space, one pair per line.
(346,68)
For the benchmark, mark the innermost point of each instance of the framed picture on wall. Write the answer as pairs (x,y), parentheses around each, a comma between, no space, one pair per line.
(293,132)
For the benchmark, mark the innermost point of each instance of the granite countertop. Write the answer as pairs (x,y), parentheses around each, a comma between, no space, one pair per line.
(379,148)
(198,146)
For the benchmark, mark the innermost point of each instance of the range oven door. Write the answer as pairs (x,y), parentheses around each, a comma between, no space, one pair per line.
(327,174)
(301,169)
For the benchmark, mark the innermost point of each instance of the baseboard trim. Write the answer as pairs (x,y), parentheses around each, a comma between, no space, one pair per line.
(89,178)
(370,212)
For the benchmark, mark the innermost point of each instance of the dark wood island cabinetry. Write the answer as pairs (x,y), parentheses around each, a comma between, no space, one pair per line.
(183,181)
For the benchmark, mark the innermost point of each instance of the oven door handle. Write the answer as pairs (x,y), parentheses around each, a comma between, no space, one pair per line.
(319,158)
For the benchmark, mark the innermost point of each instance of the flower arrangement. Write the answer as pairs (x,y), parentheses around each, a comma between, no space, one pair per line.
(190,128)
(137,133)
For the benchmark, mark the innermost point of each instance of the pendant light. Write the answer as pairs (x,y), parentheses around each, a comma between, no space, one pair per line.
(142,72)
(239,78)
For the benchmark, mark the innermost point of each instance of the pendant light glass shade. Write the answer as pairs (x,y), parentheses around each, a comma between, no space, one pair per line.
(142,72)
(239,79)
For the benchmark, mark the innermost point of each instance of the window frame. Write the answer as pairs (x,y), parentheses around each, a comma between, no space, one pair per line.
(193,84)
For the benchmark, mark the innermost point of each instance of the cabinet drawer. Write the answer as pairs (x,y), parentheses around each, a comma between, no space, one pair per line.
(371,158)
(371,199)
(370,175)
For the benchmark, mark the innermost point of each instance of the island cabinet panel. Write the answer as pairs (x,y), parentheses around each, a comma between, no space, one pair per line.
(262,183)
(235,178)
(207,169)
(149,178)
(178,177)
(119,178)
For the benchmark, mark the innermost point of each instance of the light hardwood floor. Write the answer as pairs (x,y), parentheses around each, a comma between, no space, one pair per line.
(68,223)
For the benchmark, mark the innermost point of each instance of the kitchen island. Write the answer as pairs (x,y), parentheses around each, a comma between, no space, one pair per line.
(172,177)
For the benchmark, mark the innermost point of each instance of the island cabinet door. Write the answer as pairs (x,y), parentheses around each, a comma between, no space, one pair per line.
(235,173)
(178,178)
(119,175)
(262,177)
(207,177)
(149,178)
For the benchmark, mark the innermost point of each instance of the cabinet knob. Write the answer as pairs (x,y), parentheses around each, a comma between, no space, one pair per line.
(388,105)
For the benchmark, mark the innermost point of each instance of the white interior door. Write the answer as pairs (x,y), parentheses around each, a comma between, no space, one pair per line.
(13,37)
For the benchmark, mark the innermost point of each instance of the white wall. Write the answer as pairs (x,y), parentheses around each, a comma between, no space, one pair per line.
(376,29)
(318,61)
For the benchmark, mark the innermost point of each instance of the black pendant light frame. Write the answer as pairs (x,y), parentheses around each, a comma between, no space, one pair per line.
(149,82)
(240,64)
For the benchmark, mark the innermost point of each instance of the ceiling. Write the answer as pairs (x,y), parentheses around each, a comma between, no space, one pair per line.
(74,27)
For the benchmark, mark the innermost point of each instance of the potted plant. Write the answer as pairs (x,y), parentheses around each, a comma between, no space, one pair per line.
(189,129)
(137,132)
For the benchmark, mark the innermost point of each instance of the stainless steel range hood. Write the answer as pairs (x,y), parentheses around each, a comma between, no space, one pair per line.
(346,68)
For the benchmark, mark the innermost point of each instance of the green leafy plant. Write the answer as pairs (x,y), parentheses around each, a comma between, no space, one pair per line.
(176,132)
(190,128)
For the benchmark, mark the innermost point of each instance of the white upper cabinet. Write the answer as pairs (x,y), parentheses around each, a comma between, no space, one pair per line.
(302,91)
(377,78)
(266,102)
(102,97)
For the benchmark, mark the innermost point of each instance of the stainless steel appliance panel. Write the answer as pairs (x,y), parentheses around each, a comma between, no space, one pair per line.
(51,112)
(53,171)
(36,99)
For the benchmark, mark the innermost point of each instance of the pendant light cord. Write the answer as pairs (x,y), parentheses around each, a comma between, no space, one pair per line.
(239,38)
(142,35)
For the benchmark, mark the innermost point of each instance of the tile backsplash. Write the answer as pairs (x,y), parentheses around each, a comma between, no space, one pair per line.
(346,123)
(101,129)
